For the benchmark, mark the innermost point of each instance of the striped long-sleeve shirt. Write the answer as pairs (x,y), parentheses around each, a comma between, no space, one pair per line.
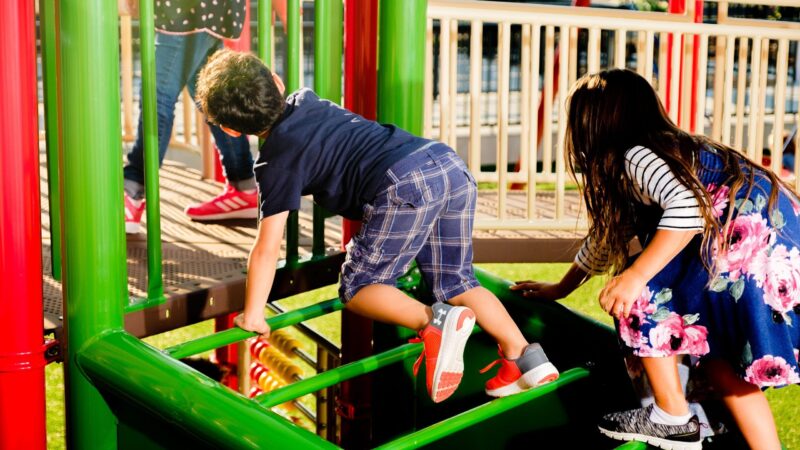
(653,182)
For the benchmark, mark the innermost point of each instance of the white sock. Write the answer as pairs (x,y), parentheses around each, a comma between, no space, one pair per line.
(658,415)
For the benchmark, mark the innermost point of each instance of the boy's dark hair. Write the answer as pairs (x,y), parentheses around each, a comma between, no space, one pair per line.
(236,90)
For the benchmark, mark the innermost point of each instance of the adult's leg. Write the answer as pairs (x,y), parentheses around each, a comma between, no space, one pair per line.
(171,75)
(235,156)
(748,405)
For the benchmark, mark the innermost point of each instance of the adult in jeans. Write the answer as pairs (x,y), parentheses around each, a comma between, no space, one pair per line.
(188,32)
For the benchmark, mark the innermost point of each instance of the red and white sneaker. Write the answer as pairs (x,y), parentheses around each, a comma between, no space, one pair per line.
(530,370)
(443,349)
(133,214)
(230,204)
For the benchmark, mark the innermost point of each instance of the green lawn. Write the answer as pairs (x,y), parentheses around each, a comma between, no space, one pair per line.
(785,402)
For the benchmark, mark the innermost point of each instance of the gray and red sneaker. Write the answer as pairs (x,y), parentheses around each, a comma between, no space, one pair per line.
(530,370)
(443,348)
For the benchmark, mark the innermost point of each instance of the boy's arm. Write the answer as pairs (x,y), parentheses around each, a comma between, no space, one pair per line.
(261,267)
(621,292)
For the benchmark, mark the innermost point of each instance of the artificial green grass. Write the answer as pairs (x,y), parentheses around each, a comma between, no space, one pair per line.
(785,402)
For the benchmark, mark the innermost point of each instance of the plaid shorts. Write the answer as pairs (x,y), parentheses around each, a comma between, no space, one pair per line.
(425,212)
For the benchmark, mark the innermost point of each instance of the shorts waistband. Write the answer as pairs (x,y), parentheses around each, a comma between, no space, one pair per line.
(431,150)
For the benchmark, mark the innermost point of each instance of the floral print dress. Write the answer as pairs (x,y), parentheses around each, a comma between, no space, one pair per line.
(749,313)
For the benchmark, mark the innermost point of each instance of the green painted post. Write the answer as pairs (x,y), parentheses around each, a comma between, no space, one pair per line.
(328,35)
(155,282)
(401,63)
(48,25)
(95,278)
(265,31)
(293,58)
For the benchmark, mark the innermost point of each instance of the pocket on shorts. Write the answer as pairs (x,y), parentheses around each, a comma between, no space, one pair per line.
(409,194)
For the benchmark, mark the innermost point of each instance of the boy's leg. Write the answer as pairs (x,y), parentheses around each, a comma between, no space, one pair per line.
(446,263)
(395,226)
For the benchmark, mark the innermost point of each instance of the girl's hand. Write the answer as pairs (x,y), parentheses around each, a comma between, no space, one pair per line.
(619,295)
(539,291)
(256,324)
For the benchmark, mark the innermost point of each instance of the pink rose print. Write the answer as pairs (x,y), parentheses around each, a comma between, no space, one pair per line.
(771,371)
(719,198)
(671,337)
(750,237)
(781,282)
(630,327)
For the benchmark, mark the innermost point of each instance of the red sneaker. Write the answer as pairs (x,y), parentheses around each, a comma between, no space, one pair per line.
(530,370)
(133,214)
(230,204)
(444,340)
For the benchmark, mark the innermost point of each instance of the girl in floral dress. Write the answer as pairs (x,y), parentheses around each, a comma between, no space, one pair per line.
(719,274)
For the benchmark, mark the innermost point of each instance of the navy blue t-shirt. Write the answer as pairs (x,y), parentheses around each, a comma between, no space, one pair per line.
(319,148)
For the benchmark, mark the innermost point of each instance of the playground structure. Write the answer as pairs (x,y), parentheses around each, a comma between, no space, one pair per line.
(125,394)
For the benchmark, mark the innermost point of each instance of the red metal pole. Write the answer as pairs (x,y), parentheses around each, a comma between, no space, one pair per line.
(22,405)
(229,355)
(674,7)
(360,71)
(360,96)
(698,18)
(240,45)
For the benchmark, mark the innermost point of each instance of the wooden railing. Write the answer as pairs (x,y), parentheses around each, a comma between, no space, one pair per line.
(553,46)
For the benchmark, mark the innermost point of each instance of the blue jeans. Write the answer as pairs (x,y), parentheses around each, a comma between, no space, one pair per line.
(788,161)
(178,60)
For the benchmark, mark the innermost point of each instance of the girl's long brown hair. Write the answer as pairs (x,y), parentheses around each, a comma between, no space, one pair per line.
(609,113)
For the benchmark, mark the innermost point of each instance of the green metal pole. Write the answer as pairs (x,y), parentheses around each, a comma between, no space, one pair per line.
(401,63)
(233,335)
(480,413)
(293,58)
(48,25)
(155,282)
(328,35)
(337,375)
(265,31)
(95,278)
(185,399)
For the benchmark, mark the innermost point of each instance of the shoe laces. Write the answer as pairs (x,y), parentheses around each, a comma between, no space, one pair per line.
(418,362)
(492,364)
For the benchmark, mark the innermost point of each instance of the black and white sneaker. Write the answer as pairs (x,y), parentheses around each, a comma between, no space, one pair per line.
(635,425)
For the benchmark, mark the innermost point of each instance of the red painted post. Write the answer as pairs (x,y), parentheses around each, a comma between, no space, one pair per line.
(360,96)
(229,355)
(22,405)
(360,71)
(698,18)
(674,7)
(240,45)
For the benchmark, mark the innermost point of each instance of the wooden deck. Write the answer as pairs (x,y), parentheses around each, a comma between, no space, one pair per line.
(202,256)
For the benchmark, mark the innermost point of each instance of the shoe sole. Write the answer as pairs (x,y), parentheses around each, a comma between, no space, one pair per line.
(248,213)
(666,444)
(538,376)
(450,361)
(132,227)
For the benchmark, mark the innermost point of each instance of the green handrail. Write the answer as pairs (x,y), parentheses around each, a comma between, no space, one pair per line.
(52,117)
(233,335)
(95,274)
(155,282)
(140,375)
(265,31)
(328,35)
(293,83)
(337,375)
(480,413)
